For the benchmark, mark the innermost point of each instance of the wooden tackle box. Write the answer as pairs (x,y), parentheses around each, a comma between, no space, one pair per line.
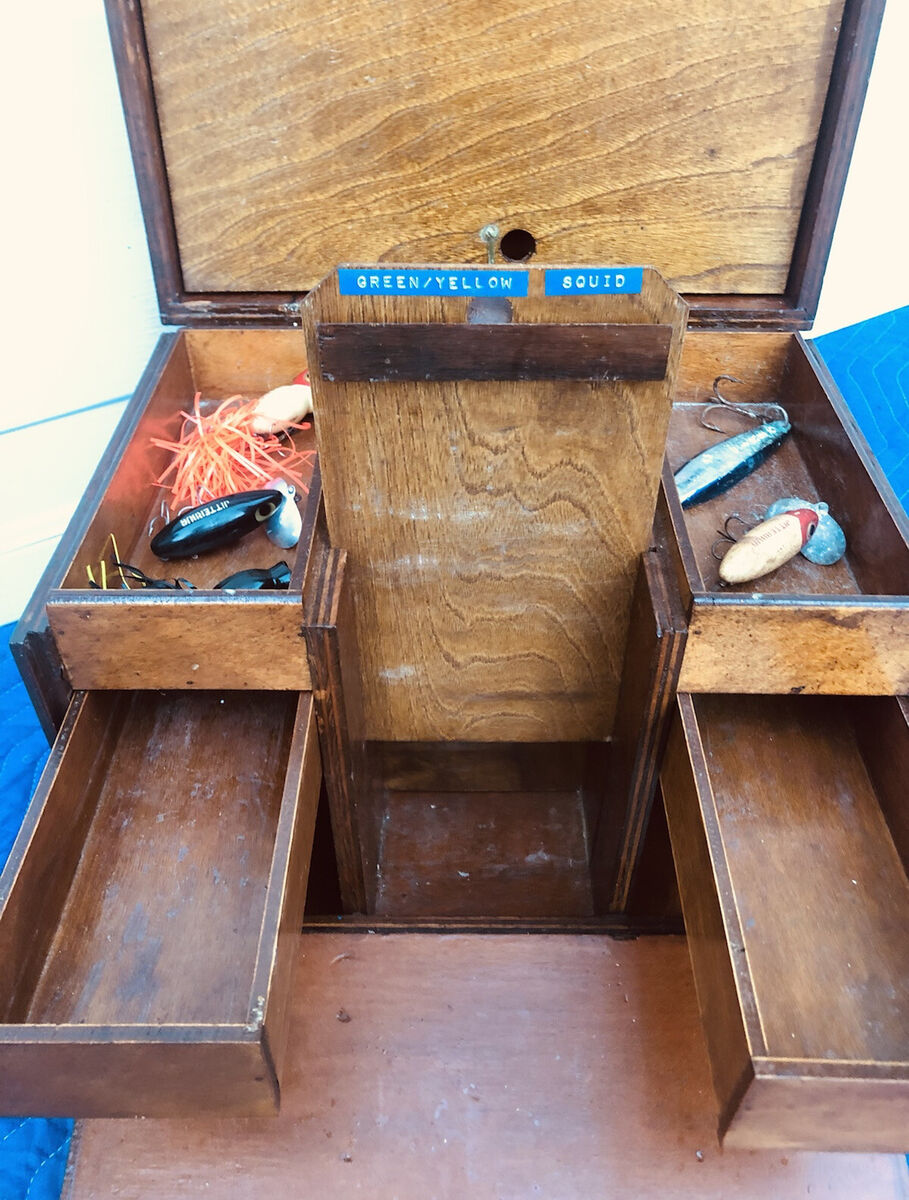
(492,663)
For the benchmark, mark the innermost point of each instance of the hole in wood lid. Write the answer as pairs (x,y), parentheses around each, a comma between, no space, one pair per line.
(517,245)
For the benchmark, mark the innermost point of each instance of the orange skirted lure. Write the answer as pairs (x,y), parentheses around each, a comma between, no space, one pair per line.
(220,453)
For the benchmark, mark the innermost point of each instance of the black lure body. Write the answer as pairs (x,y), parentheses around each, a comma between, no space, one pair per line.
(215,524)
(257,579)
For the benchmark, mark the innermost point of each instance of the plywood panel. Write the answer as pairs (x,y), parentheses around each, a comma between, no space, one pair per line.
(493,529)
(497,1066)
(297,135)
(808,646)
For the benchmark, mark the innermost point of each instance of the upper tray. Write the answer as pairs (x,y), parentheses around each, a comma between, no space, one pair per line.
(710,139)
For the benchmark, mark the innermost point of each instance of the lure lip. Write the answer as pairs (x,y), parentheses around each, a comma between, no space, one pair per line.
(215,524)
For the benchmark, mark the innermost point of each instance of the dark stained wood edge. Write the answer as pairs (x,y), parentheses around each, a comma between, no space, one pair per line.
(250,310)
(310,519)
(331,647)
(829,1068)
(881,727)
(477,766)
(615,925)
(784,600)
(41,668)
(653,659)
(360,352)
(269,1000)
(855,48)
(32,644)
(42,863)
(671,531)
(130,49)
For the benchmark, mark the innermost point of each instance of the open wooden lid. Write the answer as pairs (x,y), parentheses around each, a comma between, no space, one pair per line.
(710,138)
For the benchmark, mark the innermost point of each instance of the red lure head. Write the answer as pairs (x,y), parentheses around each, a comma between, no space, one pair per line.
(808,519)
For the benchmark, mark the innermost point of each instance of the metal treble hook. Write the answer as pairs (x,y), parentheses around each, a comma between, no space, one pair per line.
(764,410)
(726,536)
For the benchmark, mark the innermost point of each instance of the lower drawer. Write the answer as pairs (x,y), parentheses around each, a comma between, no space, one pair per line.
(150,906)
(790,833)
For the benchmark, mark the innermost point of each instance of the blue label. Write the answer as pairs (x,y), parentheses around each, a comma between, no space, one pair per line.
(413,282)
(595,281)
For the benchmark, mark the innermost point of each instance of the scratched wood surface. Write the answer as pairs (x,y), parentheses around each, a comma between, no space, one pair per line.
(174,867)
(295,135)
(492,529)
(816,645)
(795,895)
(504,1066)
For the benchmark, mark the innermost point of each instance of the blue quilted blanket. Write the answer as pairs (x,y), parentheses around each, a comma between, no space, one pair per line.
(33,1152)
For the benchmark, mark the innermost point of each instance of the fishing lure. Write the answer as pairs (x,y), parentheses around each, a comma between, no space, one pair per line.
(716,469)
(216,524)
(217,453)
(283,407)
(827,544)
(257,579)
(128,571)
(284,528)
(768,545)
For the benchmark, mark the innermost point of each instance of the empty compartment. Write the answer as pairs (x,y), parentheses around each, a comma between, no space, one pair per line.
(805,627)
(178,639)
(790,838)
(487,832)
(145,908)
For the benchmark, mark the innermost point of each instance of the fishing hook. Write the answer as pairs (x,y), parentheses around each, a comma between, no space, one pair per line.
(761,409)
(726,535)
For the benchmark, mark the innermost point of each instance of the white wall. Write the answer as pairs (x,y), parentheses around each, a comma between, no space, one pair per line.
(80,318)
(868,268)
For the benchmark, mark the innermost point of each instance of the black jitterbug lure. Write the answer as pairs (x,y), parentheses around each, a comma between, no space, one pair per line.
(257,579)
(215,524)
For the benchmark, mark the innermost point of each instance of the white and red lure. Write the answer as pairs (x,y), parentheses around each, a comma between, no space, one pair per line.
(283,407)
(768,545)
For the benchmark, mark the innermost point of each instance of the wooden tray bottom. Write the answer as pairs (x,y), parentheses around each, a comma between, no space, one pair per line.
(477,1066)
(473,854)
(162,921)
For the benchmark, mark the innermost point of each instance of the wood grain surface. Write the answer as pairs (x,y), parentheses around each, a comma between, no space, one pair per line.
(795,896)
(170,640)
(492,529)
(296,136)
(803,644)
(488,1067)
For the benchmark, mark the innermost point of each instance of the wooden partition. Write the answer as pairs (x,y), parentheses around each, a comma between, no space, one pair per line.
(493,484)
